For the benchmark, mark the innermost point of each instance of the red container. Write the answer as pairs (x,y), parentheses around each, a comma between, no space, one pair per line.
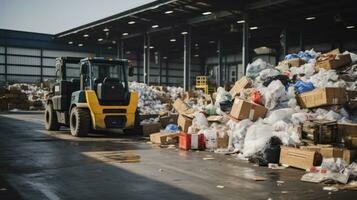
(198,141)
(194,141)
(184,141)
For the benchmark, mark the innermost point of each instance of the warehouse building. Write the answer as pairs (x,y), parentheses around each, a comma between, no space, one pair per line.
(171,40)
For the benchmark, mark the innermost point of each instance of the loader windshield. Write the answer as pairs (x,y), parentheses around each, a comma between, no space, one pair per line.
(101,71)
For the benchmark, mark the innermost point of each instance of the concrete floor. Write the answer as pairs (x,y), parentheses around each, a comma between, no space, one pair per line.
(36,164)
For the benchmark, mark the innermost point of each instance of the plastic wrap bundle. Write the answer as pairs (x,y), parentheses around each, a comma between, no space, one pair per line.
(353,56)
(274,94)
(256,138)
(270,72)
(210,138)
(149,97)
(280,114)
(222,96)
(308,55)
(254,68)
(307,69)
(238,131)
(327,78)
(199,121)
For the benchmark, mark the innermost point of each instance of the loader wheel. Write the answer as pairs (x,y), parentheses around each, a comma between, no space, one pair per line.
(51,122)
(79,122)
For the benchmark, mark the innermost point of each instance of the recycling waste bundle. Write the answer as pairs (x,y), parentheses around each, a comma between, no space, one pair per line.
(299,113)
(22,96)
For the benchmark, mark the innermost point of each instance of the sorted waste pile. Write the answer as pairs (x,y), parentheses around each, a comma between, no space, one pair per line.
(22,96)
(300,113)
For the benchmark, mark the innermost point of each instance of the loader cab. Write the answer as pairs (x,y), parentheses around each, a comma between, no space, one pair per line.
(108,78)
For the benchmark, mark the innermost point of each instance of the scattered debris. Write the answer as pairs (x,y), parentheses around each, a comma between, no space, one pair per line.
(220,186)
(259,178)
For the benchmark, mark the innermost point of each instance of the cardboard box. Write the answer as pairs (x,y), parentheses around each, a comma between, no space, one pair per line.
(148,129)
(299,158)
(222,142)
(331,152)
(215,118)
(170,119)
(295,62)
(349,156)
(340,61)
(242,109)
(322,97)
(164,138)
(348,134)
(240,85)
(182,108)
(184,122)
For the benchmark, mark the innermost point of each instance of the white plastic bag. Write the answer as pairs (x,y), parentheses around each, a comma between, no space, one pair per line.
(280,114)
(256,138)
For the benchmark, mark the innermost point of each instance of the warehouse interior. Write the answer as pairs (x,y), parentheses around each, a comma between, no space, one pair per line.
(198,99)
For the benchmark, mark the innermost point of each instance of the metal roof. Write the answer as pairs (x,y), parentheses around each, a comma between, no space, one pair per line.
(209,20)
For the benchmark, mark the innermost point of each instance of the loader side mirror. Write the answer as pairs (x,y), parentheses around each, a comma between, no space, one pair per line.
(84,69)
(131,71)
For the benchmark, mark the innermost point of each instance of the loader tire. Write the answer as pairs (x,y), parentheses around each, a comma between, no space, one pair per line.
(51,122)
(79,122)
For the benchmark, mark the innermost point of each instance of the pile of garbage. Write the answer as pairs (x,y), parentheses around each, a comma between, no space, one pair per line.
(279,114)
(22,96)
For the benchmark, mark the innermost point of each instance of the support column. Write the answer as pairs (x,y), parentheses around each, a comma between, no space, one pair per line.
(301,41)
(283,42)
(245,45)
(5,64)
(138,67)
(187,61)
(120,49)
(167,71)
(219,57)
(160,67)
(146,60)
(41,65)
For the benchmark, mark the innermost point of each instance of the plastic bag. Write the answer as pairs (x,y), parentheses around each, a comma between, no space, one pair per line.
(280,114)
(301,86)
(254,68)
(238,131)
(256,97)
(270,154)
(299,118)
(171,128)
(273,94)
(200,121)
(280,126)
(256,138)
(222,96)
(210,138)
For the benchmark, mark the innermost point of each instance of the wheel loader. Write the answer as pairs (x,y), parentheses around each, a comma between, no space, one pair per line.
(96,98)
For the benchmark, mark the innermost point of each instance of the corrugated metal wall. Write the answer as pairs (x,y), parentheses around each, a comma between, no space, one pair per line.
(31,65)
(36,65)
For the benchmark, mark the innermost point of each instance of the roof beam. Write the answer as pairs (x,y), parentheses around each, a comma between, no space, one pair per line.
(263,3)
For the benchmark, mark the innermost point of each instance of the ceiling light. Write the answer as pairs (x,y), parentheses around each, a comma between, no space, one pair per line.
(196,55)
(241,21)
(151,47)
(106,29)
(310,18)
(85,35)
(70,42)
(169,12)
(253,28)
(207,13)
(211,42)
(173,40)
(350,27)
(155,26)
(184,33)
(196,45)
(165,57)
(80,45)
(100,39)
(110,47)
(114,42)
(125,34)
(131,22)
(128,52)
